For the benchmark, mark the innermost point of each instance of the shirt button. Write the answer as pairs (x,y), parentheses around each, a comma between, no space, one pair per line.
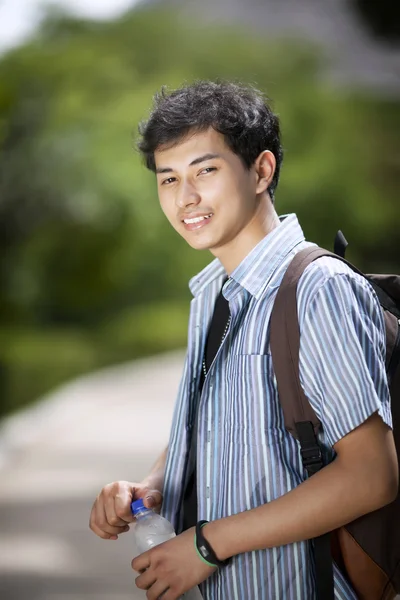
(209,436)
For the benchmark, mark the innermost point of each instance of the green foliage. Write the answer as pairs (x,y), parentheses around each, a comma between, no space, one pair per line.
(90,271)
(33,362)
(144,330)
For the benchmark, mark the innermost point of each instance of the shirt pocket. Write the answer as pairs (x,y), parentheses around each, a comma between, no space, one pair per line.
(254,416)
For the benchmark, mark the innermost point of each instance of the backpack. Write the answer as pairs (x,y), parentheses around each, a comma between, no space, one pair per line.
(367,550)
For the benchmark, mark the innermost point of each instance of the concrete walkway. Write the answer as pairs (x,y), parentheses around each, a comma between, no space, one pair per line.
(55,458)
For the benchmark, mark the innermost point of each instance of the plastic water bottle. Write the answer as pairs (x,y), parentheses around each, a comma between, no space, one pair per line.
(150,530)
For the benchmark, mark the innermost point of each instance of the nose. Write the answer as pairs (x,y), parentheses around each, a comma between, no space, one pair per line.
(187,195)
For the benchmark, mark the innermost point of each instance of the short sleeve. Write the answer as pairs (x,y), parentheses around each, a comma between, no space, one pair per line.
(342,353)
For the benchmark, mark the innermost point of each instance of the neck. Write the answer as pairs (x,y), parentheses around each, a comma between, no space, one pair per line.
(233,253)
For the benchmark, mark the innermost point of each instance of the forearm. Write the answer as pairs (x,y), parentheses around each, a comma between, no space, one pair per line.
(331,498)
(155,479)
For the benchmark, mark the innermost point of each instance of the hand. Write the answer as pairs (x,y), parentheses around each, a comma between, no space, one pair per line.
(111,512)
(171,568)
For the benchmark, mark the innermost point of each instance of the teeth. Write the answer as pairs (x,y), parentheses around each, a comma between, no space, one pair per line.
(197,219)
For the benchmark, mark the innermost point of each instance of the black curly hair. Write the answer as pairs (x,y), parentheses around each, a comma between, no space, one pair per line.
(239,112)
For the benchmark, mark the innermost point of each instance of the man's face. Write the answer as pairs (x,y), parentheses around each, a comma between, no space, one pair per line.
(206,192)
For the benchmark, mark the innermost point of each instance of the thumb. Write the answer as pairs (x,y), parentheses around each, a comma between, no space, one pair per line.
(152,498)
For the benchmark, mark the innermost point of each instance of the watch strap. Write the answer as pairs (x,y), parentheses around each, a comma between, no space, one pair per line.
(204,548)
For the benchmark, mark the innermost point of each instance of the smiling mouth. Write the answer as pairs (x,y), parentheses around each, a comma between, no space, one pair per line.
(197,219)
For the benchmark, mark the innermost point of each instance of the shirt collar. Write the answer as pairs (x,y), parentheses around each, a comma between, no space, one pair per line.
(257,268)
(210,273)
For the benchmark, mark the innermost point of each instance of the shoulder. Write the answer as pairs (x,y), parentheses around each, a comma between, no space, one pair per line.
(331,285)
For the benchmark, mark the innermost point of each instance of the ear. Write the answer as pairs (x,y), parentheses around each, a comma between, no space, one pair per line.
(265,168)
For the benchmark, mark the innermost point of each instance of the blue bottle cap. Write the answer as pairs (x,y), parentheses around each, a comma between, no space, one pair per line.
(137,506)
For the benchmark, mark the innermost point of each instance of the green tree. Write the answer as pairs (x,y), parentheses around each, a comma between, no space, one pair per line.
(87,260)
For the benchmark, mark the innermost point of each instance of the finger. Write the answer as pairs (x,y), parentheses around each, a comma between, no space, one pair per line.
(96,520)
(157,590)
(145,579)
(122,501)
(169,594)
(141,562)
(102,534)
(92,518)
(111,515)
(153,499)
(103,525)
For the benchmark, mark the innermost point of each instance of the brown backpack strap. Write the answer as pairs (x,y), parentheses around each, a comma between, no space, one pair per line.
(285,343)
(300,419)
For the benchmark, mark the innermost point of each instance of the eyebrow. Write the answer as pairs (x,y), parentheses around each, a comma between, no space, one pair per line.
(196,161)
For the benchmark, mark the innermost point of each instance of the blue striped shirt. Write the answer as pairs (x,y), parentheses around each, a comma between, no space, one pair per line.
(245,457)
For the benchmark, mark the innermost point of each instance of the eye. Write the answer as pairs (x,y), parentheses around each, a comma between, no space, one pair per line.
(207,170)
(168,181)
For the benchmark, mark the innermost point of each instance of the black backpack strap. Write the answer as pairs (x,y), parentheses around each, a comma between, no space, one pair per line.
(300,419)
(386,301)
(312,462)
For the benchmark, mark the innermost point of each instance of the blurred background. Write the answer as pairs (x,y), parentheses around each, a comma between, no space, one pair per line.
(92,277)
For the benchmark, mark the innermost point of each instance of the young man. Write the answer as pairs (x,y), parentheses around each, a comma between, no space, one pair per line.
(216,152)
